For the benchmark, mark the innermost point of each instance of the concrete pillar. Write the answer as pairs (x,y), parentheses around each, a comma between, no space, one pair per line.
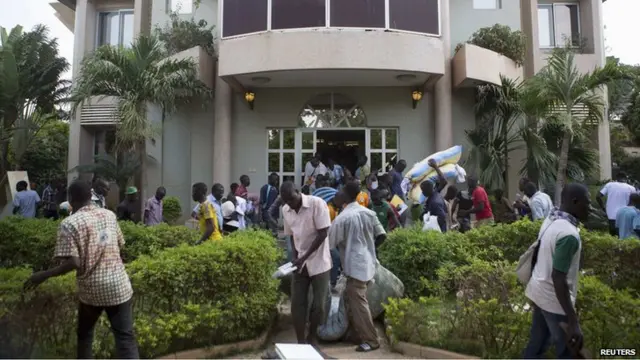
(84,31)
(141,17)
(222,134)
(604,136)
(443,134)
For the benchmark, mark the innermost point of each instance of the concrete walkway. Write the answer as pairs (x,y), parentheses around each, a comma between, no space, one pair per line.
(341,350)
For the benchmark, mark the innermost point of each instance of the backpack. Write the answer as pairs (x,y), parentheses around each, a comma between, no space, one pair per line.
(528,260)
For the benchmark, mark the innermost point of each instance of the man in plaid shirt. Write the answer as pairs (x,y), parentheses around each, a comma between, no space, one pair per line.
(49,195)
(89,242)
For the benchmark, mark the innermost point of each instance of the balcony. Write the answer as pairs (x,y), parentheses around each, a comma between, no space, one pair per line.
(473,65)
(585,63)
(297,43)
(205,64)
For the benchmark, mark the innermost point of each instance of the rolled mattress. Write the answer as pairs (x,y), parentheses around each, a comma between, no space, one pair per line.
(449,171)
(421,169)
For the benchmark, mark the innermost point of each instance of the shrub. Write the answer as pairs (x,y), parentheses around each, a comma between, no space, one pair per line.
(501,39)
(182,34)
(31,242)
(415,256)
(611,260)
(171,209)
(184,297)
(504,241)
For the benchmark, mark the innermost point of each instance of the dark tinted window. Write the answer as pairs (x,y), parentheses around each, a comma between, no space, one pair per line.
(358,13)
(243,17)
(414,15)
(292,14)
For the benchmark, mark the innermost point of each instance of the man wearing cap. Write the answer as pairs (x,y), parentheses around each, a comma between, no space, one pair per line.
(128,207)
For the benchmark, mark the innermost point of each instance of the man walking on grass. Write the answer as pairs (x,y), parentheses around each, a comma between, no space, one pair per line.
(356,232)
(306,220)
(89,241)
(553,286)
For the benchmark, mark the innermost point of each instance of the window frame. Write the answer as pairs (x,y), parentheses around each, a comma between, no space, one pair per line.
(99,27)
(387,26)
(383,151)
(497,5)
(552,6)
(170,7)
(281,151)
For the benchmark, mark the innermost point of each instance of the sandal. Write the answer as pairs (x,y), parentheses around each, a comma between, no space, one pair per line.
(365,347)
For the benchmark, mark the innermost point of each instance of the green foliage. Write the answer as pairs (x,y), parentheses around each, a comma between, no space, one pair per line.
(501,39)
(185,297)
(171,209)
(31,242)
(120,168)
(182,34)
(46,157)
(415,256)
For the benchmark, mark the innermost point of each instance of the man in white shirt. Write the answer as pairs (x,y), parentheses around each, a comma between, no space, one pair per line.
(617,193)
(313,168)
(553,286)
(540,203)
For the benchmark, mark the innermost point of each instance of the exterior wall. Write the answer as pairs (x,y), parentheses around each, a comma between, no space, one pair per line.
(279,108)
(465,20)
(187,153)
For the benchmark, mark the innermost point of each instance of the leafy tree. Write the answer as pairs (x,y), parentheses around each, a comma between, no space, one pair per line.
(564,96)
(181,34)
(138,76)
(31,87)
(46,158)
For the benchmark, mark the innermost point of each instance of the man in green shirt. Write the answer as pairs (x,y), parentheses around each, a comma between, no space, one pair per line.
(554,279)
(383,210)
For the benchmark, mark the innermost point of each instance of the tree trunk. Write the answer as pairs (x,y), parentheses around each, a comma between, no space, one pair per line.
(532,173)
(505,137)
(563,160)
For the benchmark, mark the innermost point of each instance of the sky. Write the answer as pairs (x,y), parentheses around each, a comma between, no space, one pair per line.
(620,20)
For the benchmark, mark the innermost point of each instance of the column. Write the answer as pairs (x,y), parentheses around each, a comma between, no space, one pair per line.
(141,17)
(84,31)
(222,134)
(443,134)
(604,136)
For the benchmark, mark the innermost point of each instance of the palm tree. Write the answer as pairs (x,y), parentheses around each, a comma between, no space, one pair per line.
(119,169)
(501,130)
(136,77)
(570,99)
(31,87)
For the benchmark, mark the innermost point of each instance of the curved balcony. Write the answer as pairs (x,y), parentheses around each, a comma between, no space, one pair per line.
(473,65)
(290,43)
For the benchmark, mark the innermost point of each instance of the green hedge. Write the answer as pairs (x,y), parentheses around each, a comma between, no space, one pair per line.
(31,242)
(415,256)
(185,297)
(464,295)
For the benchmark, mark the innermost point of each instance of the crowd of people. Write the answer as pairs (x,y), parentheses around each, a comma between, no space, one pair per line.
(335,221)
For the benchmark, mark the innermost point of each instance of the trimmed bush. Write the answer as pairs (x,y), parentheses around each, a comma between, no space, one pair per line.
(31,242)
(171,209)
(490,317)
(184,297)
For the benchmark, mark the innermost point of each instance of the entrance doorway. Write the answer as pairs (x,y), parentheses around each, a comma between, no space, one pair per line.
(344,147)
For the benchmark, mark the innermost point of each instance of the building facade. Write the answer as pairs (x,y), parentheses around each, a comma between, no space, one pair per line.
(379,78)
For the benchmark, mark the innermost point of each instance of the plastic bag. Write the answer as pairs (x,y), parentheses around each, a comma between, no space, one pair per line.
(430,223)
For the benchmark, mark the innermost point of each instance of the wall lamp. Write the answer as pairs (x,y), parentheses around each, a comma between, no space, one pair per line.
(416,96)
(250,97)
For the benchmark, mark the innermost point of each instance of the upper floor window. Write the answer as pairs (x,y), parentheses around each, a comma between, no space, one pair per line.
(559,24)
(181,6)
(115,28)
(486,4)
(241,17)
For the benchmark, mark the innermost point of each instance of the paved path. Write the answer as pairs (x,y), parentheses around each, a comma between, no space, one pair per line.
(339,350)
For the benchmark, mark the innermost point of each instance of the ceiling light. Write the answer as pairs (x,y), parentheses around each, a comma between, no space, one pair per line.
(260,79)
(406,77)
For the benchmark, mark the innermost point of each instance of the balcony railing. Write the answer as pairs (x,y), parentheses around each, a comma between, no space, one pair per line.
(244,17)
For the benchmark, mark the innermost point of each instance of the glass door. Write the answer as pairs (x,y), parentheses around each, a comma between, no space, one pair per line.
(305,150)
(382,148)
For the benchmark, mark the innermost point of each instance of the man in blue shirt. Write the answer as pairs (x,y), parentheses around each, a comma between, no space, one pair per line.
(628,218)
(434,205)
(25,201)
(396,178)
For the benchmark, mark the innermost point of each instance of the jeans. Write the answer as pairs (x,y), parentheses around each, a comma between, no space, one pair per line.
(544,329)
(613,230)
(51,214)
(121,320)
(335,270)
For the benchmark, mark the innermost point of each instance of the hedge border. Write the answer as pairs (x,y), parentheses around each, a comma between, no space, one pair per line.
(223,350)
(416,351)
